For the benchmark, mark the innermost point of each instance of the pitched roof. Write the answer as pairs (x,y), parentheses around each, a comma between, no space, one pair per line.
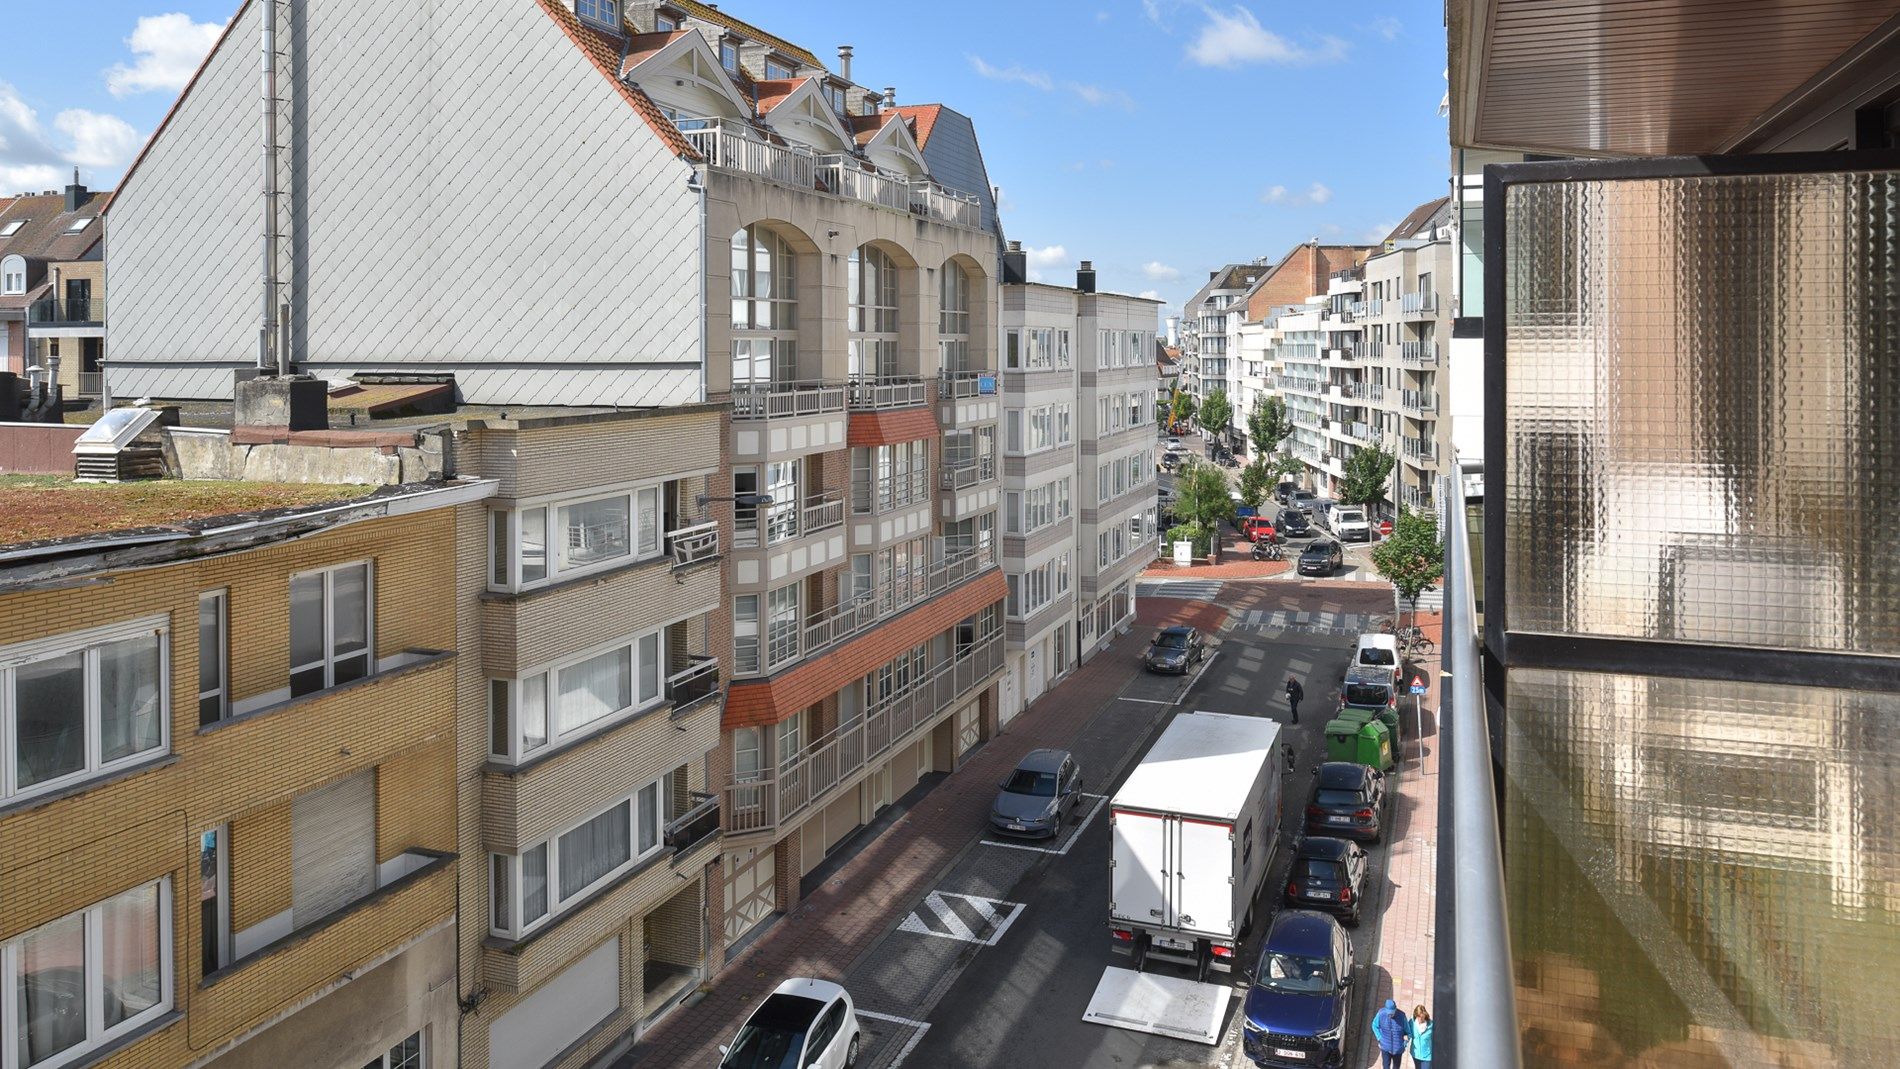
(922,119)
(708,13)
(642,45)
(771,93)
(43,236)
(1419,219)
(866,127)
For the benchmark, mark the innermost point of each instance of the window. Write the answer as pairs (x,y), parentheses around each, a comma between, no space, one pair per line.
(12,228)
(332,848)
(592,533)
(746,765)
(745,633)
(602,12)
(551,877)
(729,56)
(213,692)
(1038,586)
(776,70)
(574,697)
(764,307)
(664,23)
(871,287)
(77,706)
(79,225)
(782,624)
(404,1055)
(330,622)
(834,95)
(953,319)
(1013,350)
(12,269)
(81,982)
(214,899)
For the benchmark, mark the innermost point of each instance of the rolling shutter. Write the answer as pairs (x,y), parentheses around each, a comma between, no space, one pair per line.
(332,848)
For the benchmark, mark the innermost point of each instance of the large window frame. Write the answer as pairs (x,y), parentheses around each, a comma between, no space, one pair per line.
(214,656)
(517,565)
(94,960)
(764,286)
(871,290)
(535,872)
(524,709)
(93,762)
(333,666)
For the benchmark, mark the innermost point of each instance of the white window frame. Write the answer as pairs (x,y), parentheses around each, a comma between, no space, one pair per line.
(547,677)
(221,599)
(13,268)
(558,903)
(329,661)
(604,13)
(97,1034)
(421,1037)
(557,568)
(87,642)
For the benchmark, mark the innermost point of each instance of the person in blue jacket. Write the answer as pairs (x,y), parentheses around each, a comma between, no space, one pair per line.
(1393,1030)
(1421,1028)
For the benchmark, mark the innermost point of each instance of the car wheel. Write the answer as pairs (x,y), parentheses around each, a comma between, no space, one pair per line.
(851,1054)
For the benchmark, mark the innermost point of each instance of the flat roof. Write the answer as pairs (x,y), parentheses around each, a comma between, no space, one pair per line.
(51,508)
(1203,764)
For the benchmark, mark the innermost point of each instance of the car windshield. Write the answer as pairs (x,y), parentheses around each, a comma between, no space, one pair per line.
(1039,784)
(1302,495)
(1376,655)
(1295,973)
(1335,796)
(1350,515)
(1367,694)
(1318,549)
(775,1036)
(1313,868)
(1172,640)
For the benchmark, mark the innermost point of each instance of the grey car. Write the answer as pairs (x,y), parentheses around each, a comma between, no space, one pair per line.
(1045,788)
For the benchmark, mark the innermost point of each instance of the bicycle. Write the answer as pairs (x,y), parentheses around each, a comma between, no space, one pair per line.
(1413,640)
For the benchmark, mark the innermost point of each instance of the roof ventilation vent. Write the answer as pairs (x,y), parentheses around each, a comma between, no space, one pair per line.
(108,451)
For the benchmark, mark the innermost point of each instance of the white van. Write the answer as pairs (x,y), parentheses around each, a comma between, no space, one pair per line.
(1379,651)
(1350,524)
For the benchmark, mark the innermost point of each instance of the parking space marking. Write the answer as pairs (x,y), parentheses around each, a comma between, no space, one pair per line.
(918,1028)
(944,913)
(1144,701)
(1068,843)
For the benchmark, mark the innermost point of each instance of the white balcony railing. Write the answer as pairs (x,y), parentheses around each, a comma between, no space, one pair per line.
(1423,353)
(957,385)
(874,394)
(785,520)
(1420,401)
(691,545)
(786,400)
(944,204)
(740,148)
(1419,304)
(846,176)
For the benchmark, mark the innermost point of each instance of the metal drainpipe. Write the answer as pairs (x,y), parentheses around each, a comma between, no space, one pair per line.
(697,183)
(270,355)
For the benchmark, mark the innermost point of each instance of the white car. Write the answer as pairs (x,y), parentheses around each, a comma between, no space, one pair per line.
(1350,524)
(809,1024)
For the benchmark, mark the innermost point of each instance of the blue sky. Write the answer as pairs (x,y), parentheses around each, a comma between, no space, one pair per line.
(1159,138)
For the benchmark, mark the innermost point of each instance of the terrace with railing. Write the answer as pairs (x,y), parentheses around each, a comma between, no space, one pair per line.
(944,204)
(967,472)
(699,823)
(783,521)
(71,311)
(696,683)
(694,544)
(1422,353)
(867,394)
(834,758)
(958,385)
(1420,448)
(1423,402)
(1363,309)
(1365,391)
(1419,304)
(786,400)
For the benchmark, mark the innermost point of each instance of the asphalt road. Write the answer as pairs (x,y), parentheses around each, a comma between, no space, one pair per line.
(1020,1002)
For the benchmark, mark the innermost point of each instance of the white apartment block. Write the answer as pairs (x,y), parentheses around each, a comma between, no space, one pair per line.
(1205,326)
(1078,472)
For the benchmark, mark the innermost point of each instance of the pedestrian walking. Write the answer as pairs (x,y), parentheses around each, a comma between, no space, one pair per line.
(1421,1037)
(1393,1031)
(1294,694)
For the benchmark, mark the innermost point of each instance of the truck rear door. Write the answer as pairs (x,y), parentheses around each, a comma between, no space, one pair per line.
(1141,879)
(1203,875)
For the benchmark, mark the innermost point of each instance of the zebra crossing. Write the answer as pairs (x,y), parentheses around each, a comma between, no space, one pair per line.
(1189,589)
(1311,623)
(966,918)
(1432,600)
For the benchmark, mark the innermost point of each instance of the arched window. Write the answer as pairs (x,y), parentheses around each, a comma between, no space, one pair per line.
(953,319)
(764,308)
(13,275)
(872,284)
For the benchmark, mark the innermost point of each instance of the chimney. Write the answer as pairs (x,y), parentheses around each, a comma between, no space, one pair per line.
(1015,264)
(890,96)
(844,62)
(76,197)
(1085,277)
(1211,274)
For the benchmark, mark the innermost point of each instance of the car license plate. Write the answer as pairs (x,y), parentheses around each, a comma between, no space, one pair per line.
(1174,944)
(1282,1052)
(1017,827)
(1319,894)
(1337,820)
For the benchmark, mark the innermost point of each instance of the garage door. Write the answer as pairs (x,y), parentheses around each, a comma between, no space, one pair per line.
(970,726)
(561,1012)
(751,893)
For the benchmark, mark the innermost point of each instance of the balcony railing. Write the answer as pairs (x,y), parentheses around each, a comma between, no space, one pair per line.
(786,520)
(875,394)
(957,385)
(892,492)
(1365,391)
(1358,432)
(1362,309)
(1415,498)
(739,148)
(786,400)
(944,204)
(1419,304)
(834,758)
(695,683)
(1424,353)
(846,176)
(1420,401)
(1421,448)
(963,474)
(699,823)
(691,545)
(67,310)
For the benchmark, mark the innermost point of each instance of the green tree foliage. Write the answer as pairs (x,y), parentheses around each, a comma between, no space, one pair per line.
(1183,409)
(1217,412)
(1256,482)
(1201,496)
(1366,473)
(1412,559)
(1190,532)
(1268,424)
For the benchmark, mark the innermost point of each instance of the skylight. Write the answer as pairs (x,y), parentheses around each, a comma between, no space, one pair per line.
(12,228)
(79,224)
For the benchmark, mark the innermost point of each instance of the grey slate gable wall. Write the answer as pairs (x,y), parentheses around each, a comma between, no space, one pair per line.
(472,195)
(955,160)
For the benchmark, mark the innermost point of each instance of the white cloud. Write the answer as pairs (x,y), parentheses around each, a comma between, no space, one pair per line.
(1151,295)
(1386,26)
(1152,10)
(1093,95)
(1156,271)
(31,159)
(1378,233)
(1315,194)
(1102,16)
(1273,195)
(1318,194)
(1012,73)
(1235,37)
(166,50)
(1047,256)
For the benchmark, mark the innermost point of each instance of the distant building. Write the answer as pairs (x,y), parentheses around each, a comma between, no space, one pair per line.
(52,287)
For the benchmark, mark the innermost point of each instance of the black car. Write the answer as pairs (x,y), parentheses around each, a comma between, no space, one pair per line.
(1294,524)
(1321,558)
(1328,874)
(1347,802)
(1283,493)
(1173,649)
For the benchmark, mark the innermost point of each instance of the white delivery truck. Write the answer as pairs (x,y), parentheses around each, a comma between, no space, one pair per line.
(1191,836)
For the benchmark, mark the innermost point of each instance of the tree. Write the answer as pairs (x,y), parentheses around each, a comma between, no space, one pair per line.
(1201,496)
(1256,481)
(1268,424)
(1412,559)
(1183,408)
(1217,412)
(1366,473)
(1288,466)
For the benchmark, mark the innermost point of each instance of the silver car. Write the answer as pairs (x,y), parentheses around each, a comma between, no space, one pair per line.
(1045,788)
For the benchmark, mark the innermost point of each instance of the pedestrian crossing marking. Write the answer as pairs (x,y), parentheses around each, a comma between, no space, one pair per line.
(966,918)
(1190,589)
(1321,623)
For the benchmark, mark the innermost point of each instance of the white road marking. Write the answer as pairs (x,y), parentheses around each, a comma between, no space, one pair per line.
(1205,665)
(918,1028)
(1068,843)
(1146,701)
(997,921)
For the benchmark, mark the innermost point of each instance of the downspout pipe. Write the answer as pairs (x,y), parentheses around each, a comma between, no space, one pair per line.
(271,359)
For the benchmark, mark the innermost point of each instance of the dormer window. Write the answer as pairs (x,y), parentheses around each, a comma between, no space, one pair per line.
(776,70)
(834,95)
(12,228)
(664,23)
(13,276)
(729,56)
(79,224)
(602,13)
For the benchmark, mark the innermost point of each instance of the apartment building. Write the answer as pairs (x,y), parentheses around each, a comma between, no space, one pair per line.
(1405,319)
(1078,470)
(52,288)
(1205,322)
(227,804)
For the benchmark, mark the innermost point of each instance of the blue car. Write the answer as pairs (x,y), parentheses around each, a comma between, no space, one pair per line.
(1298,995)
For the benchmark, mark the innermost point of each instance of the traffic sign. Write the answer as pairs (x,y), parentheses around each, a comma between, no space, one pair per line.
(1418,684)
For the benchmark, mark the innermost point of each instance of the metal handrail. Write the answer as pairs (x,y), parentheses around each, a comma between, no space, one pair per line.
(939,202)
(780,400)
(67,310)
(1473,976)
(956,385)
(963,474)
(740,148)
(690,545)
(871,394)
(846,176)
(699,823)
(694,683)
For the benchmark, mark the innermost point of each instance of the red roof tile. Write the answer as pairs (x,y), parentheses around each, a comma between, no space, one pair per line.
(866,429)
(922,119)
(865,127)
(772,93)
(607,51)
(642,45)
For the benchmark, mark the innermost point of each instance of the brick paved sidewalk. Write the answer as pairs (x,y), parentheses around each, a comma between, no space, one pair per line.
(1236,563)
(842,919)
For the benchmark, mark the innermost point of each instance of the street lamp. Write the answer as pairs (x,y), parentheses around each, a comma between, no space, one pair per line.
(744,501)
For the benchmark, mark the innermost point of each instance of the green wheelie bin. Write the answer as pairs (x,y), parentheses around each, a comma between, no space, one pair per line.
(1374,746)
(1342,740)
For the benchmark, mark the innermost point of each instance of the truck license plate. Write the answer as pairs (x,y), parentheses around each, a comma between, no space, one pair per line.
(1282,1052)
(1017,827)
(1174,944)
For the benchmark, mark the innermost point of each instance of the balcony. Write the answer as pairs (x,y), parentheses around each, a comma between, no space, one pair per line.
(892,492)
(67,312)
(1358,432)
(1365,391)
(92,383)
(1420,448)
(740,149)
(1415,498)
(695,826)
(693,545)
(786,400)
(945,205)
(882,394)
(837,758)
(785,521)
(1420,353)
(1363,309)
(696,683)
(1419,304)
(1423,402)
(959,385)
(850,177)
(968,472)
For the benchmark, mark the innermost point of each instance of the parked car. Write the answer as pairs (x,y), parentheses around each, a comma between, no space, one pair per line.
(1170,461)
(1299,993)
(1303,500)
(1348,802)
(1294,524)
(1283,492)
(1350,524)
(802,1024)
(1045,788)
(1257,529)
(1380,651)
(1329,875)
(1321,558)
(1174,649)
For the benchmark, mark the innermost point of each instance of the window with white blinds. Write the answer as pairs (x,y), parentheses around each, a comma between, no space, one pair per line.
(332,848)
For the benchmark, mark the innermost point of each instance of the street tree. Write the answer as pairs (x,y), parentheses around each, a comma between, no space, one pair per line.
(1268,424)
(1183,409)
(1412,560)
(1366,473)
(1217,412)
(1256,481)
(1201,496)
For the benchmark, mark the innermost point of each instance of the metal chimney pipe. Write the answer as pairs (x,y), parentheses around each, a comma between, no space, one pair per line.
(270,356)
(890,96)
(844,62)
